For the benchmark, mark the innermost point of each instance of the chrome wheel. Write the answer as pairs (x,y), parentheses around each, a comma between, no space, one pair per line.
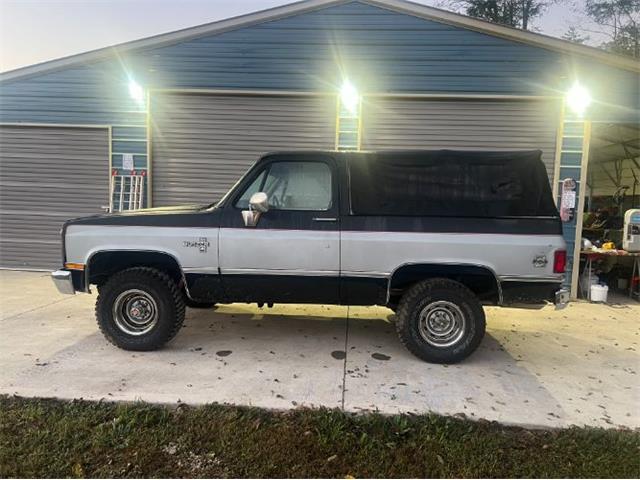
(442,323)
(135,312)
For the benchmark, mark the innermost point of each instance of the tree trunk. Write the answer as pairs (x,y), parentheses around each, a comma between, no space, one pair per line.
(525,14)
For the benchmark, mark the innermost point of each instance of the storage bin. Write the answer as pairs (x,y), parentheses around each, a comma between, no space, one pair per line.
(599,293)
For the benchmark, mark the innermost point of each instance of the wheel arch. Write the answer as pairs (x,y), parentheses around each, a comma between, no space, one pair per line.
(103,263)
(480,279)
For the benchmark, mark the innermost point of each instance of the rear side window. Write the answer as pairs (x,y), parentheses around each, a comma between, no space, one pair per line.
(446,183)
(293,186)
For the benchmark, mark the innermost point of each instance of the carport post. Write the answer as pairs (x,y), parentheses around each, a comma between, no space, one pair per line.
(575,265)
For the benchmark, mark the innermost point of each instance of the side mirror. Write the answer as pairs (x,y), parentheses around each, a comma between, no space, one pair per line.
(258,204)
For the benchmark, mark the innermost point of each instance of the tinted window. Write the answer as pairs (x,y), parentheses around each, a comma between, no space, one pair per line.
(448,183)
(293,186)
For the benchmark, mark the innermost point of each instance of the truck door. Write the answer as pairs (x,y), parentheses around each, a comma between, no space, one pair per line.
(293,252)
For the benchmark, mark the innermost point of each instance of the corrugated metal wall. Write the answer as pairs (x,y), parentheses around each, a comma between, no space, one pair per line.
(202,144)
(396,123)
(47,175)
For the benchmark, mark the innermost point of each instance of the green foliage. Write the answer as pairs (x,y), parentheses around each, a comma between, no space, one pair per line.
(575,36)
(49,438)
(620,20)
(514,13)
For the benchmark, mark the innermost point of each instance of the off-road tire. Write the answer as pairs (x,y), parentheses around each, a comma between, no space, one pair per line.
(193,304)
(163,290)
(440,290)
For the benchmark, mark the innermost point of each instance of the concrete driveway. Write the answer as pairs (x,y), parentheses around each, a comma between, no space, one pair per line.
(544,368)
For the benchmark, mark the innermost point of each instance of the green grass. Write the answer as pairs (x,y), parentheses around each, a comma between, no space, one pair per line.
(50,438)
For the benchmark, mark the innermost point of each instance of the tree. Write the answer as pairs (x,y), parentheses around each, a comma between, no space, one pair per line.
(514,13)
(620,21)
(573,35)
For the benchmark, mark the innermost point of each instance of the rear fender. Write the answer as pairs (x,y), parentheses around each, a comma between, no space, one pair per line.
(480,279)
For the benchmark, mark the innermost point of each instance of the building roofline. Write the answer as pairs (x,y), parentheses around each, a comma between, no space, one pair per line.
(506,32)
(303,6)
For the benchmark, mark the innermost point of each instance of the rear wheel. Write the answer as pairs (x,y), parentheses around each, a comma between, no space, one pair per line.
(139,309)
(440,321)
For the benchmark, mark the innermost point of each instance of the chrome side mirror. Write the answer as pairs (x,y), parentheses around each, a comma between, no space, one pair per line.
(258,204)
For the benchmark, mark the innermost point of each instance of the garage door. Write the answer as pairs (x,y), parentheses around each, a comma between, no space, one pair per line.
(202,144)
(47,175)
(393,123)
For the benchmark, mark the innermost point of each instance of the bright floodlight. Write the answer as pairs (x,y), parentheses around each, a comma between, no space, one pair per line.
(578,99)
(136,91)
(349,97)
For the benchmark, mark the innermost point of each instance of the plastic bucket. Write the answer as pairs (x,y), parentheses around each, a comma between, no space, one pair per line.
(599,293)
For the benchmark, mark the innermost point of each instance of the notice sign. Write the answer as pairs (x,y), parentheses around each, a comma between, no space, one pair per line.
(569,199)
(127,161)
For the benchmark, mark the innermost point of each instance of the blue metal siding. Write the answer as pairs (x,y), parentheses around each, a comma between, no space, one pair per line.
(380,50)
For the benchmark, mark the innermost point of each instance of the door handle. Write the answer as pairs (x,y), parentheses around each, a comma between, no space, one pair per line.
(325,219)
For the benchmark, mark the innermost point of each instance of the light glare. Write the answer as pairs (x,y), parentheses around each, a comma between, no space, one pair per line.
(136,91)
(578,99)
(349,97)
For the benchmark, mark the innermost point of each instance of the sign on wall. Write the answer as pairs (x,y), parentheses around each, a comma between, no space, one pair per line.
(127,161)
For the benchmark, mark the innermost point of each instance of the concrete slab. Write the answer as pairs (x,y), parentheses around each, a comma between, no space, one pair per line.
(235,354)
(546,368)
(534,367)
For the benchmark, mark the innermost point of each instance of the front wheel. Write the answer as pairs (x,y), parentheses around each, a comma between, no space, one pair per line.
(440,321)
(139,309)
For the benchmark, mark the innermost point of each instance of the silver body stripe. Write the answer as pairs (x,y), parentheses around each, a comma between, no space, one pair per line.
(279,250)
(320,252)
(506,255)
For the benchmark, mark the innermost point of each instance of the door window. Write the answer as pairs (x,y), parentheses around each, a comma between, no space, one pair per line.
(256,185)
(293,186)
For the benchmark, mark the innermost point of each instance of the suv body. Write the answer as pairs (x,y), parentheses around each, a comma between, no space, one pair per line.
(333,228)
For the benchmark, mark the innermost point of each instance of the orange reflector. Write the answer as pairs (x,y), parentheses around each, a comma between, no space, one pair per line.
(74,266)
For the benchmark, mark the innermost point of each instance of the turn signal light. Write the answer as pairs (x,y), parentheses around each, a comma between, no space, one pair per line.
(74,266)
(559,261)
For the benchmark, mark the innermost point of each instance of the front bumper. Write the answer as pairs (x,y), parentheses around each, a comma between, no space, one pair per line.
(63,282)
(562,298)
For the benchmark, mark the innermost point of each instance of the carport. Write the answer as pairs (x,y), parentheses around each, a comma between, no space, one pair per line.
(613,188)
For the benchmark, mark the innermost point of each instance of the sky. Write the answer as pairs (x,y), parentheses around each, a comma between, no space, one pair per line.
(33,31)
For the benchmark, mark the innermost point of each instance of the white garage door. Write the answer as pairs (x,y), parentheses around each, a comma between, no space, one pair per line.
(412,123)
(203,143)
(47,175)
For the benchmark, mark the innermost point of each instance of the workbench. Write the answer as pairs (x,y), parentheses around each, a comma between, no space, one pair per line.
(591,255)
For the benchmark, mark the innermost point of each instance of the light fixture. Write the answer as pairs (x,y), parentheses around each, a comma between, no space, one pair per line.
(578,99)
(136,91)
(349,97)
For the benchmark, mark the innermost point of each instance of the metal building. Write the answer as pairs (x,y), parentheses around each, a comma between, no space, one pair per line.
(178,117)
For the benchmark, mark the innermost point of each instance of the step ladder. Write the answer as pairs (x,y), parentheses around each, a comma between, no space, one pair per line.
(127,190)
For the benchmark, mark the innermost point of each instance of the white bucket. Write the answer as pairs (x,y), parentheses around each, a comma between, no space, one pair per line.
(599,293)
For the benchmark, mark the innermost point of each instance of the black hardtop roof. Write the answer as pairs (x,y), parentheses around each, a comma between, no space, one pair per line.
(498,156)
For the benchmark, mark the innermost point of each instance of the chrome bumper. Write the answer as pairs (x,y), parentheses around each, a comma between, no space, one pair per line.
(63,282)
(562,298)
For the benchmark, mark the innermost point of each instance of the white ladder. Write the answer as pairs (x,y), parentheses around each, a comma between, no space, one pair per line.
(127,191)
